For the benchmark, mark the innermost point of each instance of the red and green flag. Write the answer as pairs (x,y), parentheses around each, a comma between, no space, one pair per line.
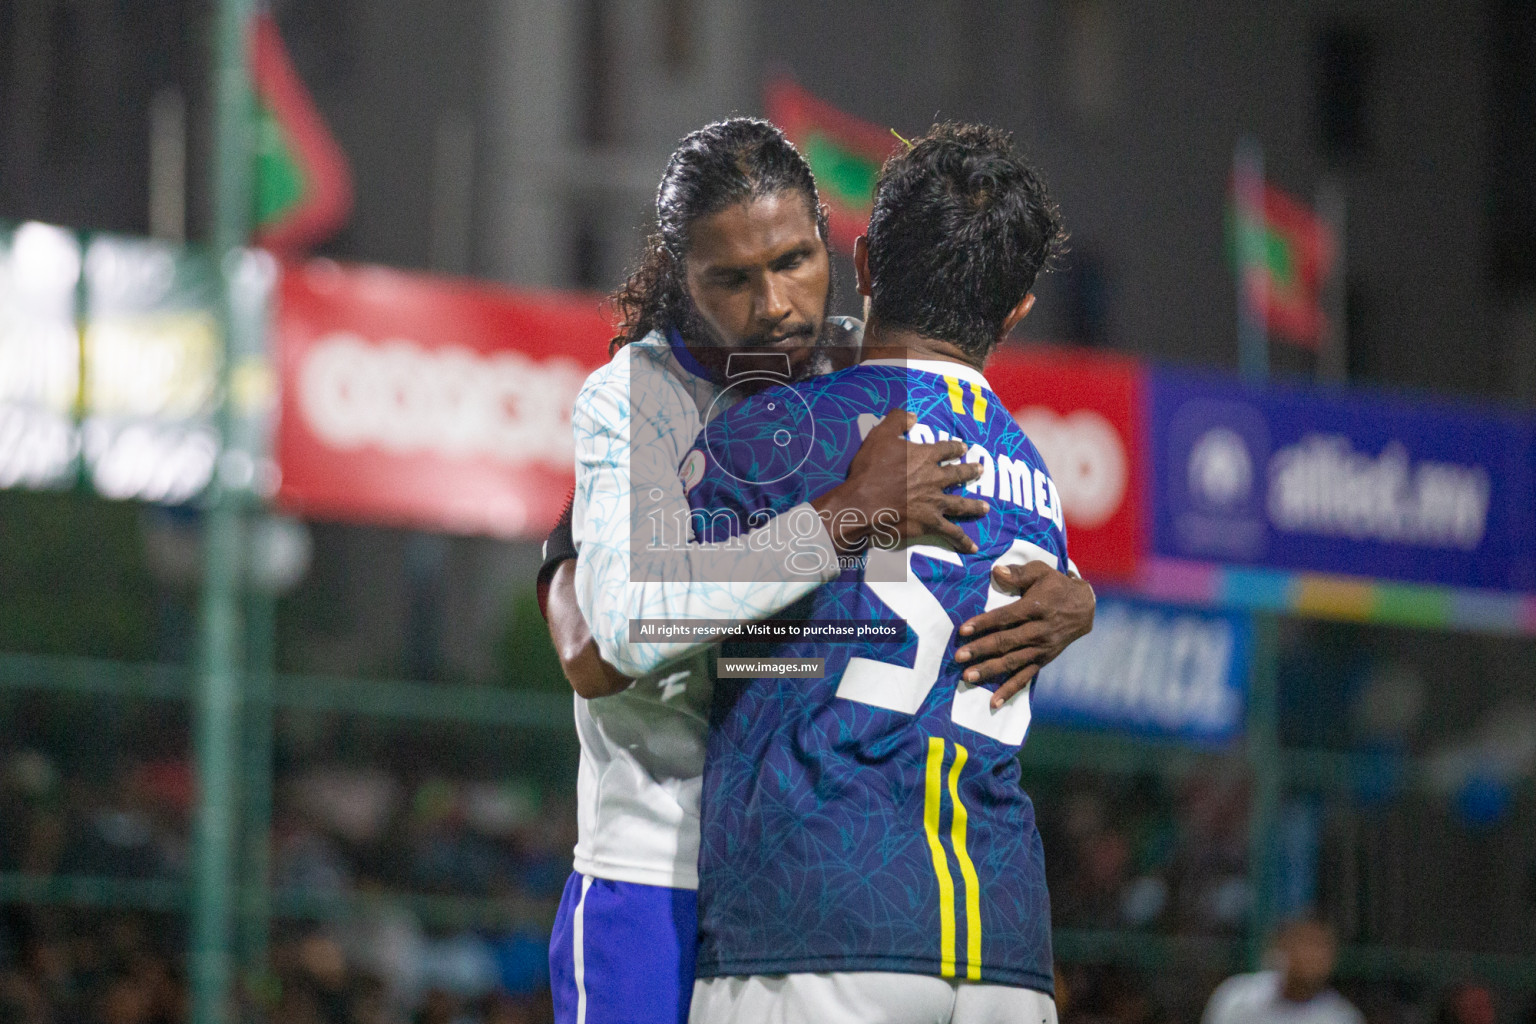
(1284,268)
(303,186)
(844,152)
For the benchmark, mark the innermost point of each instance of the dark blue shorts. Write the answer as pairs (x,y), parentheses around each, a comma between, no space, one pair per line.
(623,952)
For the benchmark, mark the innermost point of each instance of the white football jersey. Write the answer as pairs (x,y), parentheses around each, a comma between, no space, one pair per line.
(1256,999)
(642,750)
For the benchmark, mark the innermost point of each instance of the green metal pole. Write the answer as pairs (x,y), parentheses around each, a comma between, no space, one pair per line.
(1266,775)
(216,742)
(216,737)
(256,916)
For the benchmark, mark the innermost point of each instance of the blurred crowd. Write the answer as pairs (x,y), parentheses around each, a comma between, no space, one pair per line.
(335,828)
(103,967)
(485,861)
(1143,853)
(1111,993)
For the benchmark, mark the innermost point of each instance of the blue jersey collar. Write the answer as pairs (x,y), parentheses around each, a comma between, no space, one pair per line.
(686,358)
(937,367)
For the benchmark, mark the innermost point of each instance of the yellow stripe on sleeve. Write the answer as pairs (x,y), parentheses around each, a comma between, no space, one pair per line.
(956,396)
(967,871)
(933,797)
(979,406)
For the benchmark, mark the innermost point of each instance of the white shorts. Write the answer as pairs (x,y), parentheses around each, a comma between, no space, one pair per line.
(865,997)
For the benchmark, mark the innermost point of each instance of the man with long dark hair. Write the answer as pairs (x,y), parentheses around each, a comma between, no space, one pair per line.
(732,294)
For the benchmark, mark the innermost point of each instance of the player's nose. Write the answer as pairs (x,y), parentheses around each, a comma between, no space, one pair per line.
(772,302)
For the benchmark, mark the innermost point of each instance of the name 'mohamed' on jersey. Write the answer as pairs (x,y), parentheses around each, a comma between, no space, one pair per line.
(872,819)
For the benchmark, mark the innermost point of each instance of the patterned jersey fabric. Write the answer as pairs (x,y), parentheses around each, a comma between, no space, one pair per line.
(872,819)
(642,750)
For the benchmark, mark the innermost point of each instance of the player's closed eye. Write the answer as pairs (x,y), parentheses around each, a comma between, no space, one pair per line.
(729,280)
(790,260)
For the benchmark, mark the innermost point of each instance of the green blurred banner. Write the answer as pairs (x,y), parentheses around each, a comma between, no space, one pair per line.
(39,356)
(151,360)
(109,366)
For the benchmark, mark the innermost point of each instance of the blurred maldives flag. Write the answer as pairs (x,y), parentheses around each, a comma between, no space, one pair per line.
(1284,268)
(303,186)
(844,152)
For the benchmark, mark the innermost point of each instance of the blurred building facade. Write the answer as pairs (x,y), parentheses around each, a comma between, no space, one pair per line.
(521,140)
(1132,111)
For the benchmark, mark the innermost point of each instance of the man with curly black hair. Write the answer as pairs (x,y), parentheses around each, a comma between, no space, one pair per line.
(867,850)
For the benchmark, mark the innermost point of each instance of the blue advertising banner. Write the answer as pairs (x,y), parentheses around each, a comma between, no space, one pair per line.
(1152,670)
(1360,486)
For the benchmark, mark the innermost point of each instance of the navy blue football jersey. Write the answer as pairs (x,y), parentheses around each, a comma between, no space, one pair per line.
(873,819)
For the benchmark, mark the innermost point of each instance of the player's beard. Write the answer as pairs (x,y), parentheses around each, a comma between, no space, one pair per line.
(820,360)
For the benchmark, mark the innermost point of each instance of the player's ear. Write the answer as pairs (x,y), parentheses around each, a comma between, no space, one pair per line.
(1018,313)
(861,264)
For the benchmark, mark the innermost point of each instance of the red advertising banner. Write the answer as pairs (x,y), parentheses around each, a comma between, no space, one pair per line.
(1083,411)
(418,401)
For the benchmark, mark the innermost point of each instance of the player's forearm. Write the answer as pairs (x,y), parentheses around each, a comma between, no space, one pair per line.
(632,520)
(589,675)
(745,579)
